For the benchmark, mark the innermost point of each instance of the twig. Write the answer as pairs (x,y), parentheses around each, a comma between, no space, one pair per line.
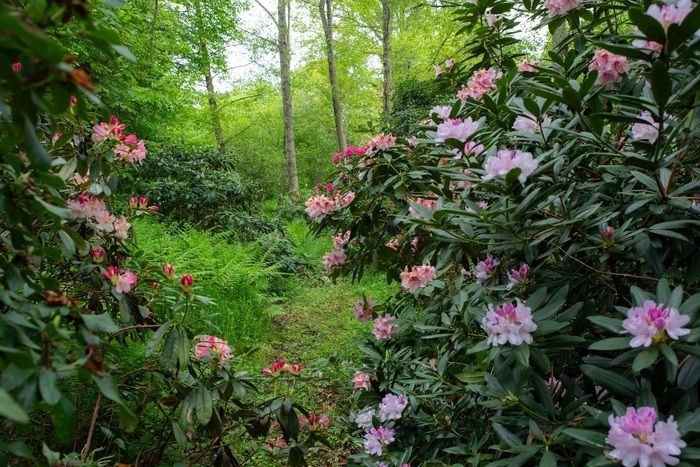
(88,441)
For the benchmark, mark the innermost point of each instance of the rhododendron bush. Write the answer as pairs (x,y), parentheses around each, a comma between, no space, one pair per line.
(543,227)
(78,298)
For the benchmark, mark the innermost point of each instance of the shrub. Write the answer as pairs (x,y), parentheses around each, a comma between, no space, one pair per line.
(544,230)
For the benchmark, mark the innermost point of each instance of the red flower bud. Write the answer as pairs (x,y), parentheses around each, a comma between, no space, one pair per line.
(168,270)
(133,202)
(143,202)
(186,282)
(17,67)
(153,208)
(98,254)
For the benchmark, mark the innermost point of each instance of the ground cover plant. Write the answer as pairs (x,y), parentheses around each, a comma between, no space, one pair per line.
(543,227)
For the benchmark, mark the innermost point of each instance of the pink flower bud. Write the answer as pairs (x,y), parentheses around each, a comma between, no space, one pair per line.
(133,202)
(17,67)
(143,202)
(98,254)
(187,282)
(168,270)
(607,234)
(153,208)
(73,101)
(111,274)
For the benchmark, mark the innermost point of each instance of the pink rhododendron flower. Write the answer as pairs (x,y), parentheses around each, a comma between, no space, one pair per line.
(485,269)
(652,323)
(363,309)
(668,14)
(345,200)
(394,243)
(638,438)
(472,147)
(319,206)
(125,282)
(376,439)
(111,274)
(456,129)
(392,407)
(364,419)
(430,204)
(186,283)
(17,67)
(508,159)
(130,149)
(334,260)
(348,153)
(412,141)
(441,111)
(607,235)
(121,228)
(516,276)
(481,82)
(168,270)
(382,141)
(554,385)
(642,43)
(281,365)
(384,327)
(508,324)
(340,240)
(491,19)
(414,243)
(610,67)
(645,131)
(214,347)
(315,420)
(560,7)
(418,277)
(104,131)
(362,380)
(438,70)
(529,124)
(527,66)
(449,63)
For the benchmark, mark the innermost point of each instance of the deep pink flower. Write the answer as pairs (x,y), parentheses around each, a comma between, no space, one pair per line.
(363,309)
(214,347)
(610,67)
(485,269)
(319,206)
(130,149)
(607,235)
(392,407)
(186,283)
(508,159)
(314,420)
(362,380)
(348,153)
(560,7)
(668,14)
(168,270)
(281,365)
(638,438)
(457,129)
(385,327)
(652,323)
(17,67)
(111,274)
(334,259)
(508,324)
(112,130)
(125,282)
(418,277)
(519,275)
(645,131)
(376,439)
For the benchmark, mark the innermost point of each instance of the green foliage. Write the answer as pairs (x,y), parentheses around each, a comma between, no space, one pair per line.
(410,104)
(606,218)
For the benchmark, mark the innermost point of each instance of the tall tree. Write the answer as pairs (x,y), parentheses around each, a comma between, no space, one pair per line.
(283,28)
(326,11)
(386,56)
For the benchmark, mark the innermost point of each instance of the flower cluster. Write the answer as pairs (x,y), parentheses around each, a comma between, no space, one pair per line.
(381,141)
(645,131)
(610,67)
(92,209)
(391,407)
(141,204)
(349,152)
(529,124)
(363,309)
(457,129)
(561,7)
(508,159)
(508,323)
(527,66)
(376,439)
(362,380)
(281,366)
(481,82)
(128,147)
(442,112)
(485,269)
(519,275)
(123,282)
(430,204)
(418,277)
(319,206)
(652,323)
(668,14)
(315,420)
(385,327)
(638,438)
(210,346)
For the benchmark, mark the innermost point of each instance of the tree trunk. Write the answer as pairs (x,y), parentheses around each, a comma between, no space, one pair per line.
(386,56)
(325,8)
(283,10)
(209,80)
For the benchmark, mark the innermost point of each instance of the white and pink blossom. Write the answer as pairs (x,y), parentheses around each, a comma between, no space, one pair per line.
(481,82)
(363,309)
(645,131)
(508,323)
(508,159)
(418,277)
(652,323)
(364,419)
(441,111)
(319,206)
(125,282)
(529,124)
(527,66)
(485,269)
(668,14)
(376,439)
(561,7)
(362,380)
(457,129)
(519,275)
(214,347)
(334,260)
(610,67)
(392,407)
(385,327)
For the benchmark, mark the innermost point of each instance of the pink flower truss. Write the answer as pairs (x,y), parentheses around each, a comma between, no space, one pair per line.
(130,149)
(382,141)
(339,241)
(560,7)
(456,129)
(438,70)
(363,309)
(638,438)
(112,130)
(485,269)
(508,159)
(645,131)
(214,347)
(529,124)
(651,323)
(527,66)
(667,14)
(384,327)
(427,203)
(361,380)
(516,276)
(417,278)
(472,147)
(334,260)
(508,324)
(481,82)
(645,44)
(376,439)
(319,206)
(610,67)
(364,419)
(441,111)
(392,407)
(125,282)
(348,153)
(345,200)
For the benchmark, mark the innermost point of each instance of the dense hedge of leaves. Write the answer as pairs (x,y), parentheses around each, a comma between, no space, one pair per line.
(102,357)
(550,311)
